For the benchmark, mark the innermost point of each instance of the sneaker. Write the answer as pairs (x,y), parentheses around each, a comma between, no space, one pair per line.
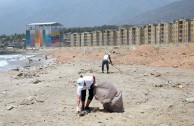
(78,109)
(87,108)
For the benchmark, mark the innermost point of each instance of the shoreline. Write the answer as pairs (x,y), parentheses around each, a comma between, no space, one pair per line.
(28,60)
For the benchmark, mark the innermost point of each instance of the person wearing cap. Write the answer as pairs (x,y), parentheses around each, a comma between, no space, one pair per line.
(106,60)
(85,83)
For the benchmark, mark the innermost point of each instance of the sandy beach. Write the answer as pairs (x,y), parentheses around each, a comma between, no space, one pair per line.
(155,84)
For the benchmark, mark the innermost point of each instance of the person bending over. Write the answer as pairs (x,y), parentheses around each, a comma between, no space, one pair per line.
(106,60)
(85,83)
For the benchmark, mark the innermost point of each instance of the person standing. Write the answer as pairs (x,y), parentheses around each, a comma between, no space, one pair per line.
(106,60)
(85,83)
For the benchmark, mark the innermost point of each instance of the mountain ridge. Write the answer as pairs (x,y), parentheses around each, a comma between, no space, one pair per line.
(77,13)
(174,11)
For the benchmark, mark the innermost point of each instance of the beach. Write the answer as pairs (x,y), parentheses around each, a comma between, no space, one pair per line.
(154,82)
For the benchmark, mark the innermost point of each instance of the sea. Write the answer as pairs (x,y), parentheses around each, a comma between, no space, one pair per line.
(15,61)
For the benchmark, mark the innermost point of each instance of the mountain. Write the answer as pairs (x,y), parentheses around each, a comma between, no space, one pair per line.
(177,10)
(14,15)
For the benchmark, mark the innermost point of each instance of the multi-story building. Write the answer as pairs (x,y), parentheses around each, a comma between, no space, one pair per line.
(75,40)
(153,34)
(67,39)
(46,34)
(122,36)
(98,38)
(150,34)
(138,36)
(135,36)
(110,38)
(181,31)
(132,34)
(147,34)
(192,31)
(163,33)
(86,39)
(142,36)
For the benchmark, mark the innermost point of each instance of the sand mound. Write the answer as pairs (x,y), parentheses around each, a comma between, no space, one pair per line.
(177,57)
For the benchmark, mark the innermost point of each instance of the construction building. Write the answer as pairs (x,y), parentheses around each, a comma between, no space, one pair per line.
(181,31)
(75,40)
(123,36)
(192,31)
(163,33)
(86,39)
(110,38)
(67,39)
(98,38)
(136,36)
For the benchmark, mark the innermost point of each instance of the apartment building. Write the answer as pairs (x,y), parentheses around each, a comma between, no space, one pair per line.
(163,33)
(181,31)
(150,33)
(86,39)
(147,34)
(122,36)
(132,34)
(192,31)
(136,36)
(153,34)
(75,40)
(110,38)
(67,39)
(98,38)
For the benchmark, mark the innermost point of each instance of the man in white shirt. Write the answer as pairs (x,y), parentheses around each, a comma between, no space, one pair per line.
(85,83)
(106,60)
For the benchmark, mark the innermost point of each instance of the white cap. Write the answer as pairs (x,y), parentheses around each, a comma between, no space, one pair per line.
(80,83)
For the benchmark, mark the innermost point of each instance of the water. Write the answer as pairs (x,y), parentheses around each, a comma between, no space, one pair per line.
(15,61)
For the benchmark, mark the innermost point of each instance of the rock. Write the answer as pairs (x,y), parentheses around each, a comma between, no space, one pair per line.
(40,99)
(10,107)
(159,85)
(36,81)
(28,101)
(190,100)
(20,74)
(156,74)
(82,113)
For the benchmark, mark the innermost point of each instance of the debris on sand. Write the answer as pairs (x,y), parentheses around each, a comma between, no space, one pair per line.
(190,100)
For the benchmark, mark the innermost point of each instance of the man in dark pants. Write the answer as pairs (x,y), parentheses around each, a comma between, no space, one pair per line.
(106,60)
(83,84)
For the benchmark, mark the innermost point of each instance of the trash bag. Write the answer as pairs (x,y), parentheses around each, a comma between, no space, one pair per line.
(106,93)
(116,105)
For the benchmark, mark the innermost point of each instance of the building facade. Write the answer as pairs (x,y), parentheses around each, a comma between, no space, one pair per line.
(110,38)
(123,36)
(75,40)
(67,39)
(179,31)
(86,39)
(98,38)
(163,33)
(46,34)
(192,31)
